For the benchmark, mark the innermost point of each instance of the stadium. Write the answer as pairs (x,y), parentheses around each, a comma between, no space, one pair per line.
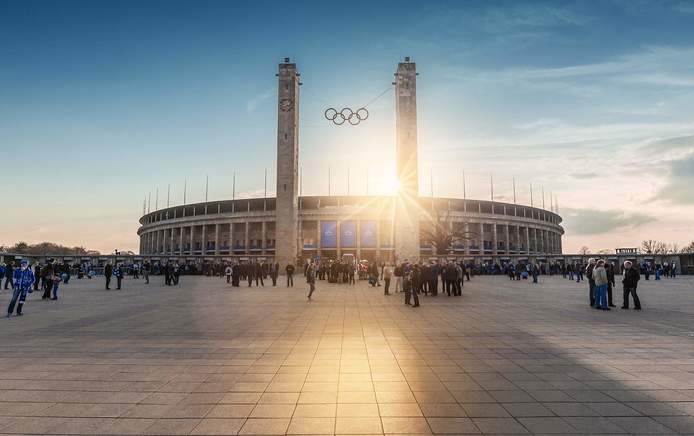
(290,227)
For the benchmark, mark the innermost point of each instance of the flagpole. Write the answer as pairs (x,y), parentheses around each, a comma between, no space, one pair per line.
(514,190)
(464,187)
(185,190)
(543,196)
(531,194)
(168,194)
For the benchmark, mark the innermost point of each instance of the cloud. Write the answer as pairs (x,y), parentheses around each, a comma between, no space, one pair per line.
(678,187)
(257,100)
(586,175)
(681,143)
(597,222)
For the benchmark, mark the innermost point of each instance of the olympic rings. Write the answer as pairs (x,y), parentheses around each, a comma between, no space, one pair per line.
(346,114)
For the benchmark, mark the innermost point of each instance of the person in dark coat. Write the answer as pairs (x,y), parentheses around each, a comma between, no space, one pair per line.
(289,269)
(9,275)
(37,276)
(108,272)
(274,273)
(47,279)
(630,281)
(259,274)
(609,267)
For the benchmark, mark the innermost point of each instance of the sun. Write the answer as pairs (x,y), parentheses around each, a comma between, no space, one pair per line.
(391,186)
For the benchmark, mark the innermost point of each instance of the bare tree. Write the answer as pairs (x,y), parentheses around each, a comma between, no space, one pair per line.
(688,249)
(648,246)
(604,251)
(584,250)
(660,248)
(442,236)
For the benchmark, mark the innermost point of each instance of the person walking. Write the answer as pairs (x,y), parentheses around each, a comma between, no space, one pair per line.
(23,280)
(311,278)
(387,275)
(629,282)
(289,270)
(108,272)
(599,275)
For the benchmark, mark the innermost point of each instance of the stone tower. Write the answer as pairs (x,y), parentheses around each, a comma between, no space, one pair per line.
(287,205)
(407,205)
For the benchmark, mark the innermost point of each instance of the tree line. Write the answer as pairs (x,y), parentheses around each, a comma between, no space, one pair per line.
(46,248)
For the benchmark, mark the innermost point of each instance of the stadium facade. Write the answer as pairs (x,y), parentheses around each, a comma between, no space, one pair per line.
(288,227)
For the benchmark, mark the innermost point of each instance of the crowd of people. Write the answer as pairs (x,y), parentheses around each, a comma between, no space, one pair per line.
(411,278)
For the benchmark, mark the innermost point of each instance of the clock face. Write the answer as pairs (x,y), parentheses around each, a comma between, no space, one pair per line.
(286,105)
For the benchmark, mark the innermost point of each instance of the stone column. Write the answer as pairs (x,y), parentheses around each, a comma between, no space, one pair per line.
(358,227)
(508,239)
(319,249)
(378,240)
(338,238)
(180,240)
(407,209)
(527,240)
(192,239)
(287,202)
(203,238)
(216,239)
(263,244)
(481,240)
(156,242)
(468,241)
(247,238)
(495,241)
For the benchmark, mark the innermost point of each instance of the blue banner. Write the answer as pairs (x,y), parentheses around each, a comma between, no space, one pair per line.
(328,234)
(368,234)
(348,234)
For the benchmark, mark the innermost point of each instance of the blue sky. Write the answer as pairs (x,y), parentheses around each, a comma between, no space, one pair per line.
(101,103)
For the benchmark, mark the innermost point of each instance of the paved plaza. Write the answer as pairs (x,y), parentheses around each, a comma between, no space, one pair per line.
(205,358)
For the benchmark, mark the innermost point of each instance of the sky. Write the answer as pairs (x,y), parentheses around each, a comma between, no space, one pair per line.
(104,103)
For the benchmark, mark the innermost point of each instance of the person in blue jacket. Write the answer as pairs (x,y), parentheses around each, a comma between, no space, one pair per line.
(23,281)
